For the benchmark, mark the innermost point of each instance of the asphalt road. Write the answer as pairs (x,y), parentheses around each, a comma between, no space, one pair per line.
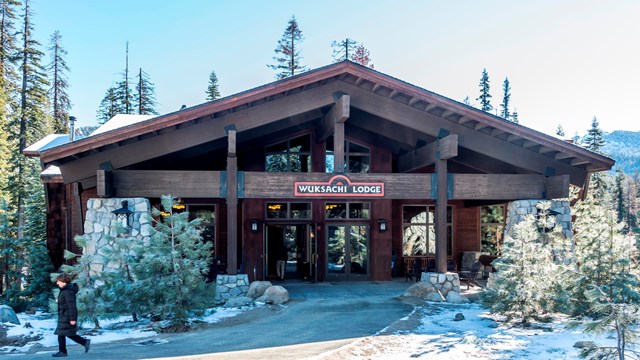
(319,318)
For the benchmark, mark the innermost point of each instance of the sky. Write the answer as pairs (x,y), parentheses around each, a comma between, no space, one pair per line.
(567,60)
(435,336)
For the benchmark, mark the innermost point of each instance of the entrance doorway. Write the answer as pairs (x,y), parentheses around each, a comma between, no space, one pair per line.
(348,252)
(288,246)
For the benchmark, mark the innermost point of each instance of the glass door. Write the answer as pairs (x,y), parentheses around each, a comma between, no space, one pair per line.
(347,252)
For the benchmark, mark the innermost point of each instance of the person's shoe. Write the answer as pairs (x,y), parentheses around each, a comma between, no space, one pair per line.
(59,354)
(87,344)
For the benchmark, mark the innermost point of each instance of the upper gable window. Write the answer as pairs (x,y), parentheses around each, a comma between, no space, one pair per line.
(292,155)
(357,158)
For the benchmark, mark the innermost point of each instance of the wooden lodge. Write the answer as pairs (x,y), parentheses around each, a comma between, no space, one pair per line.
(338,171)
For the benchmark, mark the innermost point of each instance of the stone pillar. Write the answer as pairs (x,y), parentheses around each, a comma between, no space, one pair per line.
(230,286)
(517,211)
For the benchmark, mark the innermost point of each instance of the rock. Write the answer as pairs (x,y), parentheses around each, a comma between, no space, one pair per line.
(238,301)
(7,315)
(584,344)
(419,289)
(458,317)
(276,295)
(455,298)
(435,297)
(257,288)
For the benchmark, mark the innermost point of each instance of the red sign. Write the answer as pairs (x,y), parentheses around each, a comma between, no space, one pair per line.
(339,186)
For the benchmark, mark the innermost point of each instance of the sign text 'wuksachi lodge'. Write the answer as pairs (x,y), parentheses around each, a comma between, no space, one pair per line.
(339,185)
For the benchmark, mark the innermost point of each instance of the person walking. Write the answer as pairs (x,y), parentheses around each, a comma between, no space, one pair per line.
(68,316)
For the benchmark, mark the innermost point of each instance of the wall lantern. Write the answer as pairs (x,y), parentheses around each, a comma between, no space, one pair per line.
(124,214)
(254,225)
(382,225)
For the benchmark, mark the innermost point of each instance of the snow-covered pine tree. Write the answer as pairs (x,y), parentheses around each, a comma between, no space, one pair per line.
(173,266)
(607,281)
(525,288)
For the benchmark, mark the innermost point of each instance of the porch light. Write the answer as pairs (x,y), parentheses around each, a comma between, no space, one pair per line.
(254,225)
(124,214)
(382,225)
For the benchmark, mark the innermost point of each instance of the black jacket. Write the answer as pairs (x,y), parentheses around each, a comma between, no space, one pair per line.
(67,310)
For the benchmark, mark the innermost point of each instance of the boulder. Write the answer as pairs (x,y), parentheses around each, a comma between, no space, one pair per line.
(274,295)
(584,344)
(455,298)
(419,289)
(257,288)
(458,317)
(435,297)
(7,315)
(238,301)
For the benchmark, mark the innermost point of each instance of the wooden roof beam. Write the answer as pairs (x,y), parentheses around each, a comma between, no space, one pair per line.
(442,149)
(339,113)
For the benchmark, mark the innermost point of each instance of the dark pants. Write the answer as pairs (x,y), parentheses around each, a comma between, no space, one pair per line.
(62,341)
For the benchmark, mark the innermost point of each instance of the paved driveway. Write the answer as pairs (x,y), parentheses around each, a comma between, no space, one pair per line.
(318,318)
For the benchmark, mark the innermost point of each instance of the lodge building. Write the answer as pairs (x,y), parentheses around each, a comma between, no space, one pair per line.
(341,171)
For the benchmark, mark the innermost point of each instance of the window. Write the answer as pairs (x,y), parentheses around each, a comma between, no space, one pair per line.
(419,230)
(338,211)
(492,223)
(287,211)
(293,155)
(357,157)
(207,215)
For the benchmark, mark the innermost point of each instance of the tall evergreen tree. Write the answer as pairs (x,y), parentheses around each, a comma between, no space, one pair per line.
(288,57)
(59,85)
(8,88)
(559,130)
(594,140)
(619,196)
(144,98)
(213,92)
(109,106)
(123,92)
(506,97)
(344,49)
(485,95)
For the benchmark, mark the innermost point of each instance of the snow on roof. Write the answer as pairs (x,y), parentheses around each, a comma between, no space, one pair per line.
(51,170)
(119,121)
(48,142)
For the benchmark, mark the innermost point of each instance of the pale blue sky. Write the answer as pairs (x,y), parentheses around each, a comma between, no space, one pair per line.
(567,61)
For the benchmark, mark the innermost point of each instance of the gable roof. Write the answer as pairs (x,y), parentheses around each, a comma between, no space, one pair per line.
(390,101)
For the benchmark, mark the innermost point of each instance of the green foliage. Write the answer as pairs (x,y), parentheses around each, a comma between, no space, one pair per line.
(485,95)
(109,106)
(213,91)
(58,92)
(288,57)
(144,99)
(173,265)
(506,97)
(594,140)
(526,287)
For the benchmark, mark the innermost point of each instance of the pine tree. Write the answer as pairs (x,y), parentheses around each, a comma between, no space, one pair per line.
(485,95)
(213,91)
(343,50)
(506,97)
(173,265)
(524,289)
(123,93)
(605,285)
(594,140)
(559,130)
(361,56)
(288,58)
(8,90)
(109,106)
(145,99)
(59,85)
(619,196)
(467,101)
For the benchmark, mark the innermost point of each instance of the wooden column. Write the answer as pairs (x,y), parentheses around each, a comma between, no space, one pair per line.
(441,217)
(232,204)
(337,116)
(447,148)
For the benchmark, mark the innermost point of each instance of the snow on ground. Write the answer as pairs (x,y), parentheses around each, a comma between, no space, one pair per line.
(430,333)
(478,336)
(42,325)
